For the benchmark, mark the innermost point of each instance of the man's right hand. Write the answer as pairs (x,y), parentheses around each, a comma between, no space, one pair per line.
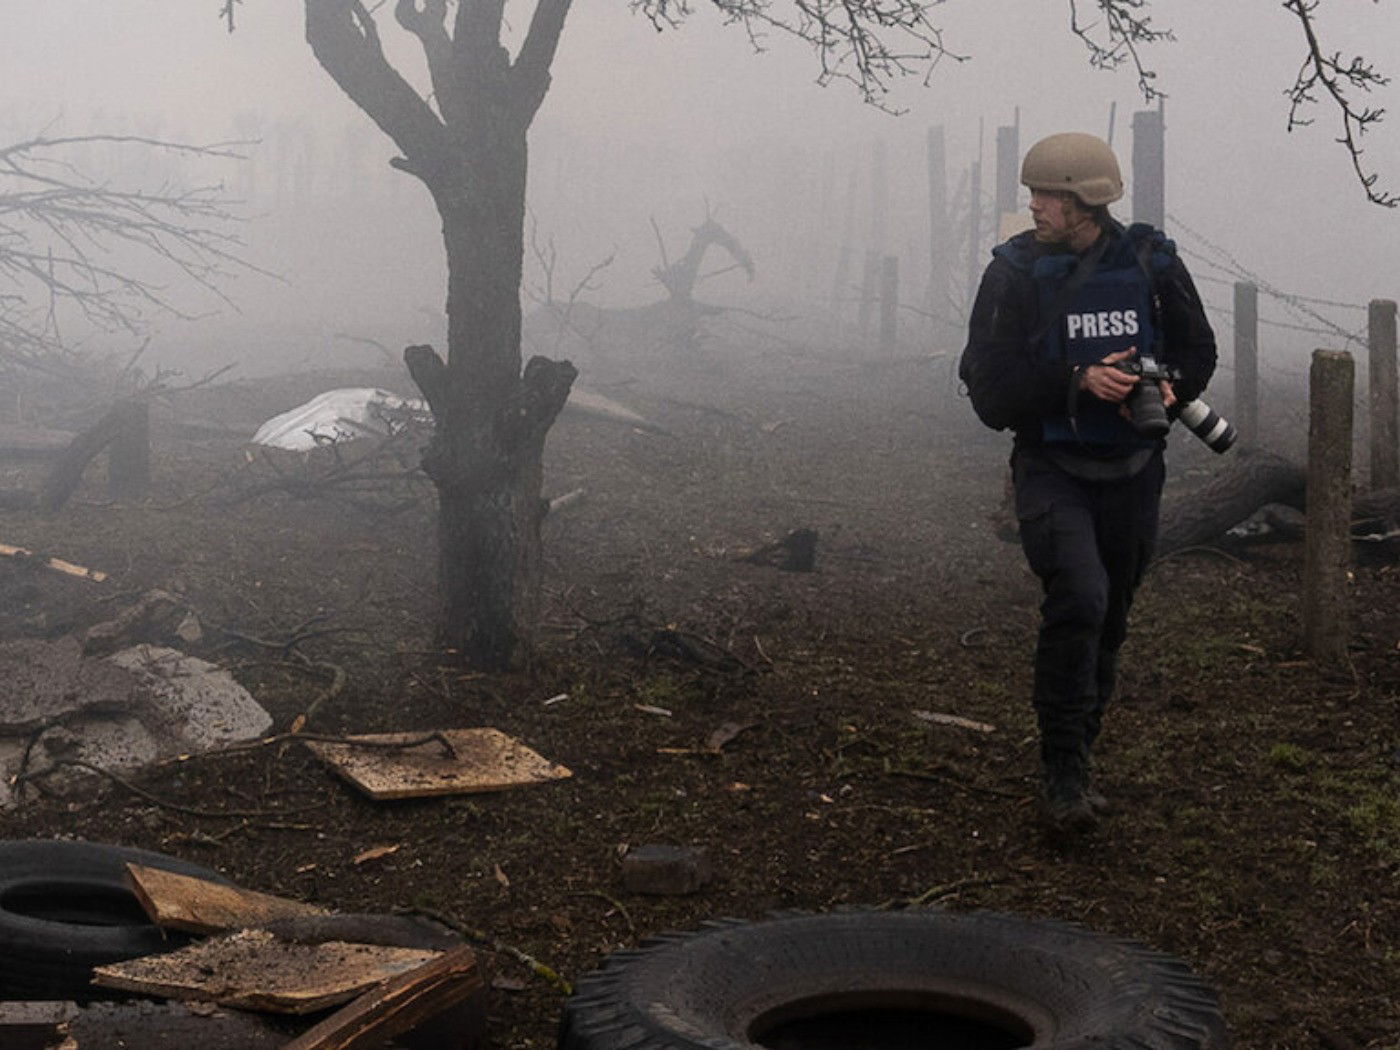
(1107,382)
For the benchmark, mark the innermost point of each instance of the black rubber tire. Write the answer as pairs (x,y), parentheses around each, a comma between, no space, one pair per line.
(65,907)
(1018,982)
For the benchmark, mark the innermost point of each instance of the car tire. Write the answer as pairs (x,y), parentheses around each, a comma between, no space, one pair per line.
(65,907)
(977,981)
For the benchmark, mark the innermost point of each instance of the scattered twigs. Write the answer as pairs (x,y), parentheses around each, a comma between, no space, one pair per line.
(954,782)
(327,738)
(692,648)
(539,969)
(943,892)
(334,689)
(155,800)
(616,904)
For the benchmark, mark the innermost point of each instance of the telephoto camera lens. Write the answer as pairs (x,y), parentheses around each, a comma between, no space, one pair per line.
(1214,429)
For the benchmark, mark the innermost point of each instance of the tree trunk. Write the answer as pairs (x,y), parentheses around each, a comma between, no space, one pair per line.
(486,457)
(468,148)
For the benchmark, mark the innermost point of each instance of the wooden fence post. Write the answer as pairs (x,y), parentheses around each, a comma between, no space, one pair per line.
(1385,470)
(1246,409)
(889,304)
(1327,560)
(869,292)
(937,220)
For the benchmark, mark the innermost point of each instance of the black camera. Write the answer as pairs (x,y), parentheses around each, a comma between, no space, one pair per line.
(1149,415)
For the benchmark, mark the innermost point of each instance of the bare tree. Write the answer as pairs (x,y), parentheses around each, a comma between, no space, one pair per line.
(466,144)
(73,245)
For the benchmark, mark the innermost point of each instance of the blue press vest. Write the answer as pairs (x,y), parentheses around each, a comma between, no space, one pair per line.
(1111,311)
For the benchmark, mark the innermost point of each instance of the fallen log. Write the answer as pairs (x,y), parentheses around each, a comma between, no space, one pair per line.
(1255,479)
(1252,479)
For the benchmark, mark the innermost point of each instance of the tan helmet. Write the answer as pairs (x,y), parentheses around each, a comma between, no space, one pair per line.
(1074,161)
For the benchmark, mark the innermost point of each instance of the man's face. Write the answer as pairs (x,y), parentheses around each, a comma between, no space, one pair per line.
(1057,214)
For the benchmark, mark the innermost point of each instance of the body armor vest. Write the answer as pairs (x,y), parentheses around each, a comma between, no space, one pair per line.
(1111,311)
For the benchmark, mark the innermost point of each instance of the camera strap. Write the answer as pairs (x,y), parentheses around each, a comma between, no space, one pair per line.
(1059,306)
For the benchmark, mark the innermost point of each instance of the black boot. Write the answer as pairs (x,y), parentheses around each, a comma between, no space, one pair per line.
(1066,806)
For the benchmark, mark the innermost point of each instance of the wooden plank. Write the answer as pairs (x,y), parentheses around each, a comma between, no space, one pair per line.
(34,1025)
(451,982)
(482,759)
(183,902)
(56,564)
(146,1025)
(254,970)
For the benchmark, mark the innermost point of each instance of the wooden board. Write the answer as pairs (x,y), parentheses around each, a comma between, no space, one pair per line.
(34,1025)
(451,982)
(483,760)
(182,902)
(254,970)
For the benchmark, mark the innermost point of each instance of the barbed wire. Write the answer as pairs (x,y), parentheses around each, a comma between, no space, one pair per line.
(1299,304)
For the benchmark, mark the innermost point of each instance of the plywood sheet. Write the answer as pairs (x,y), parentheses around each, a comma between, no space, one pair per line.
(182,902)
(254,970)
(451,983)
(481,759)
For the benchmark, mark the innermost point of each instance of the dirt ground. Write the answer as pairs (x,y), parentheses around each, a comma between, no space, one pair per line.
(1257,830)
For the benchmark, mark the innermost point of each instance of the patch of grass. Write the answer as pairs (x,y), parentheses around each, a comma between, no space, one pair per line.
(1375,817)
(1291,758)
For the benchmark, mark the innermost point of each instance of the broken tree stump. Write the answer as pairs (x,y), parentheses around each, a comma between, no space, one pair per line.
(795,552)
(126,429)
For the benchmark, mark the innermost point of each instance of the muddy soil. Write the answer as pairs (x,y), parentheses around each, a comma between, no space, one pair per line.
(776,718)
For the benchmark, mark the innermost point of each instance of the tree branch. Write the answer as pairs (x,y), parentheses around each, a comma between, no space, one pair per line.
(61,232)
(869,43)
(344,40)
(1125,27)
(430,27)
(1335,76)
(536,55)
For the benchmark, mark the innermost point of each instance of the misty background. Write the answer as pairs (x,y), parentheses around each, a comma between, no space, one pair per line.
(644,131)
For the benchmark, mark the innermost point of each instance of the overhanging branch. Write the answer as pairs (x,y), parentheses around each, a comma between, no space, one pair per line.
(1336,76)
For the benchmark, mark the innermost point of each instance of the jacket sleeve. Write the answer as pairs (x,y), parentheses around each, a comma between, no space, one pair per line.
(1190,341)
(1009,384)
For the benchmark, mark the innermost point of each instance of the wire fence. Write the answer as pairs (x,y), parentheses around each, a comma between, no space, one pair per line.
(1305,314)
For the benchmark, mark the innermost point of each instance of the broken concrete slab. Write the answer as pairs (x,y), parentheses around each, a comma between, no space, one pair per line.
(138,706)
(205,706)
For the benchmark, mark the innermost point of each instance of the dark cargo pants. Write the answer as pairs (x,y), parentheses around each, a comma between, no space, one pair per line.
(1090,543)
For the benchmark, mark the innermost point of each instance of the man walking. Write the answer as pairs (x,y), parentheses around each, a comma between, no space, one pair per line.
(1062,313)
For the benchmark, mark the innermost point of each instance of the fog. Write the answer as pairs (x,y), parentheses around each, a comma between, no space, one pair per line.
(644,128)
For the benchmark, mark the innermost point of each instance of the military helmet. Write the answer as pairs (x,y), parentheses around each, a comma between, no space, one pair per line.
(1075,162)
